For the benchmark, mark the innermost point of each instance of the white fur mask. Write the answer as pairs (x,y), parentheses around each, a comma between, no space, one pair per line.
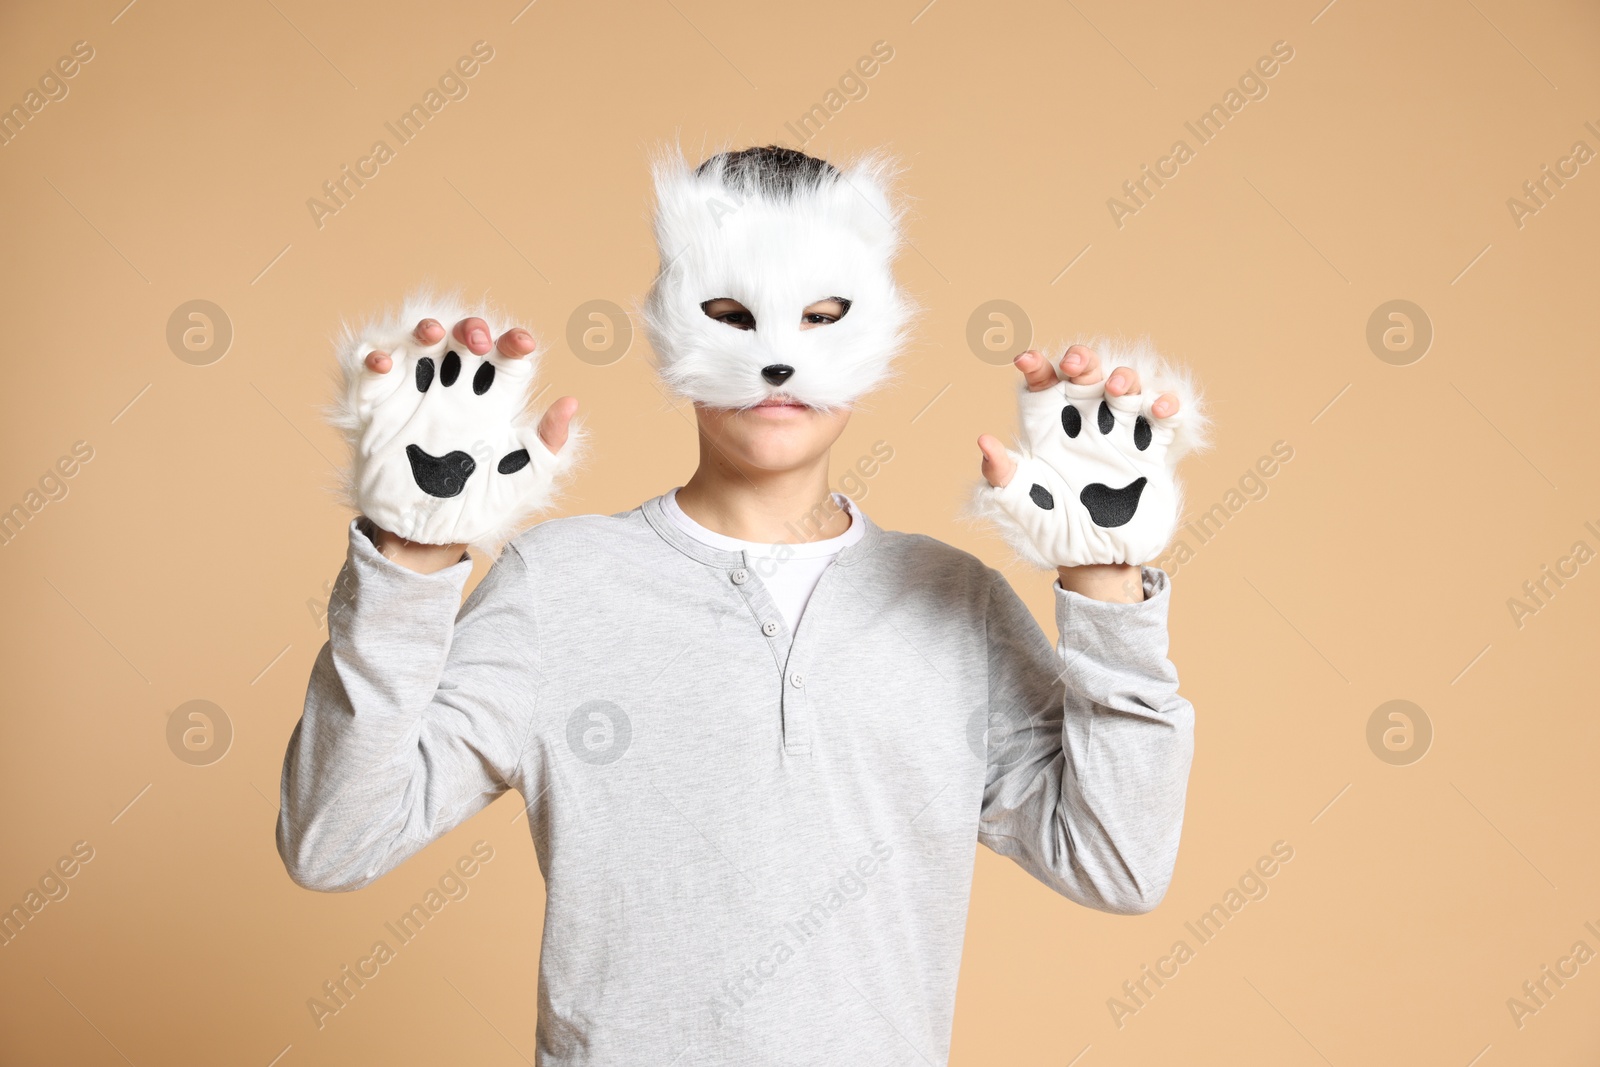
(776,246)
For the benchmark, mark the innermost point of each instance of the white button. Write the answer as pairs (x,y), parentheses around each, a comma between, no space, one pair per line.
(739,576)
(769,628)
(796,680)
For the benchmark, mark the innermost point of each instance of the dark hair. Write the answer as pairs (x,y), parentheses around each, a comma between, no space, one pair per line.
(772,171)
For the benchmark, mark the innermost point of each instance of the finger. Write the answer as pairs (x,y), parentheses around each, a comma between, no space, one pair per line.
(1165,407)
(556,422)
(1080,366)
(998,466)
(514,344)
(1035,369)
(379,362)
(429,332)
(1123,380)
(474,333)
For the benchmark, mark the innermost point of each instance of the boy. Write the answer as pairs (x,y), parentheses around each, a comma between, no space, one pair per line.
(754,769)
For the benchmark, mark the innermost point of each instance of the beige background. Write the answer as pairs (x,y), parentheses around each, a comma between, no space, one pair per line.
(181,563)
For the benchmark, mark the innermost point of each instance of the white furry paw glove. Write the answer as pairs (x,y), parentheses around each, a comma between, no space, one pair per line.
(1094,481)
(444,448)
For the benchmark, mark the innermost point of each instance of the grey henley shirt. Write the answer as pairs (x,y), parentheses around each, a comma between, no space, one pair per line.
(757,845)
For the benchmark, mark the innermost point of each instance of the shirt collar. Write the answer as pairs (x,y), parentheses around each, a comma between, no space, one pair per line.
(655,513)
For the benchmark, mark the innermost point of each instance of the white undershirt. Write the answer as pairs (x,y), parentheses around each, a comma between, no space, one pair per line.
(789,572)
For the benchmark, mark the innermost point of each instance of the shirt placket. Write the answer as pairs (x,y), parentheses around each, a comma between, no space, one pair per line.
(793,701)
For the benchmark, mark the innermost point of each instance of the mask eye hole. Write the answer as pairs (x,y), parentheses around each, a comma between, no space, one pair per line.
(824,312)
(729,311)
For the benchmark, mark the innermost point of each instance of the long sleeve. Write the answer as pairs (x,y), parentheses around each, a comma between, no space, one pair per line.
(1089,746)
(415,715)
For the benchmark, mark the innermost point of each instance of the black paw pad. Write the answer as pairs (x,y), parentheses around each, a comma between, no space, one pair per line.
(424,373)
(1141,433)
(483,379)
(450,369)
(1110,507)
(1071,421)
(513,461)
(1103,417)
(1041,496)
(441,476)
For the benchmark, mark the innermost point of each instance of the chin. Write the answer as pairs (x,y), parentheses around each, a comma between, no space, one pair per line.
(774,436)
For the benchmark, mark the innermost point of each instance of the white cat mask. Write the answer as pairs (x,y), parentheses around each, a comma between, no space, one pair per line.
(777,239)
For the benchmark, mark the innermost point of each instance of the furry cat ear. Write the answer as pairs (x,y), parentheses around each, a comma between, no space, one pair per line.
(875,212)
(692,203)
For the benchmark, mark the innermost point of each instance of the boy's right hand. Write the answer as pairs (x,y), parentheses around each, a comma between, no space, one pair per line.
(446,453)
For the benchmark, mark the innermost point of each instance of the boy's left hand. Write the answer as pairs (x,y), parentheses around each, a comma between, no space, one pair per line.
(1093,485)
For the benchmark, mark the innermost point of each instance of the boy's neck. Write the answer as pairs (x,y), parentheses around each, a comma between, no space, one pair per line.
(767,507)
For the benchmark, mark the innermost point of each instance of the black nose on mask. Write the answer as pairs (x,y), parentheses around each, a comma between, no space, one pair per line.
(777,374)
